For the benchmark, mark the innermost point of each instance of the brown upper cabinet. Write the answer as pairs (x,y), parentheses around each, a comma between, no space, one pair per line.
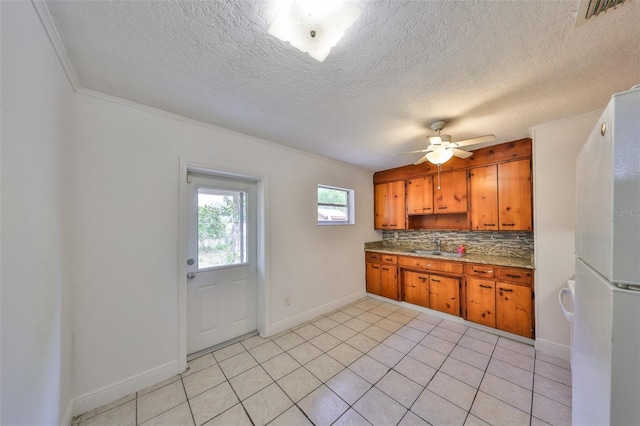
(451,196)
(500,197)
(420,195)
(514,196)
(490,191)
(389,208)
(483,197)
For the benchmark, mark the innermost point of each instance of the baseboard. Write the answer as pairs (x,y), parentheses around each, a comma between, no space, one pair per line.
(68,415)
(550,348)
(296,320)
(115,391)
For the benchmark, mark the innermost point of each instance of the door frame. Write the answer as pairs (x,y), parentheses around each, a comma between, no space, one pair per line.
(262,273)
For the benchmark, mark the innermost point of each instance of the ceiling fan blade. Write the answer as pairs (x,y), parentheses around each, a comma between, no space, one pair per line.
(462,153)
(421,160)
(413,152)
(475,141)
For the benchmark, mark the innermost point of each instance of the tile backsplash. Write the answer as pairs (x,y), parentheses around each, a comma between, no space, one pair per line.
(510,244)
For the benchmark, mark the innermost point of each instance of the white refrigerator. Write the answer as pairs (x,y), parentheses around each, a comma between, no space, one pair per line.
(605,351)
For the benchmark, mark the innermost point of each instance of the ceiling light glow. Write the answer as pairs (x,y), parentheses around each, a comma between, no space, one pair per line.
(439,155)
(314,26)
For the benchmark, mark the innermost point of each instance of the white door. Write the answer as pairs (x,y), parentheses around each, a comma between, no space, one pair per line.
(221,264)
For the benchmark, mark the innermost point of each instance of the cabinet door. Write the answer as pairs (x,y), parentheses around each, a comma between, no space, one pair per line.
(388,205)
(395,205)
(374,284)
(514,196)
(483,198)
(380,205)
(481,301)
(389,281)
(452,195)
(444,294)
(416,288)
(420,196)
(514,309)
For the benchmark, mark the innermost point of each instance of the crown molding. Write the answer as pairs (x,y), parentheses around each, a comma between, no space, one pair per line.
(595,114)
(56,42)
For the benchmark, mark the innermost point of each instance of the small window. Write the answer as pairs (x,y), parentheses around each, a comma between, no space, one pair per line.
(335,206)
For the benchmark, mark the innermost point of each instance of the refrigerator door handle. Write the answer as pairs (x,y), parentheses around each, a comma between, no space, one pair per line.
(567,314)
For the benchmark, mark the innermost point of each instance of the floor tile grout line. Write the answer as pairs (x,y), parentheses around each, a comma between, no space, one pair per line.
(137,422)
(484,373)
(533,385)
(189,400)
(397,326)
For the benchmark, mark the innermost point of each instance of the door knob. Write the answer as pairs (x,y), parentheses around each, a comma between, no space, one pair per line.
(191,275)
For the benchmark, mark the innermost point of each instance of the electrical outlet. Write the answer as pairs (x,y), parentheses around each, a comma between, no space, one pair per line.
(287,301)
(395,235)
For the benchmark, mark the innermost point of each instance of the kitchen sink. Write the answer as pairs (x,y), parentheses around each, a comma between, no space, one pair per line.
(438,253)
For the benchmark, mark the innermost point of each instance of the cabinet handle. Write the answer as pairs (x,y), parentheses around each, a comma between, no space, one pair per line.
(385,269)
(442,208)
(422,278)
(434,280)
(375,256)
(489,224)
(375,267)
(480,272)
(508,290)
(393,224)
(485,286)
(508,224)
(388,259)
(426,208)
(513,276)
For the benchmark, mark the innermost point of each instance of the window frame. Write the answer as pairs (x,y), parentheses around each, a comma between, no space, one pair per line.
(350,206)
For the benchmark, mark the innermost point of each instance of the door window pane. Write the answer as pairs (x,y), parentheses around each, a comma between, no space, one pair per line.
(222,227)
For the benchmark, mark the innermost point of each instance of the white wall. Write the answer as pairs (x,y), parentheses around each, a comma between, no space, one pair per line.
(37,116)
(555,147)
(126,206)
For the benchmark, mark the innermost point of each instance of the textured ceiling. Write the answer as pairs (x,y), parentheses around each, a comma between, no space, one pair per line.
(486,66)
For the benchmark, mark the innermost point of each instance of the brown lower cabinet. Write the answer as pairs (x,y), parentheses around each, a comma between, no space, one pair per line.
(416,288)
(494,302)
(444,294)
(432,291)
(495,296)
(481,301)
(514,309)
(382,275)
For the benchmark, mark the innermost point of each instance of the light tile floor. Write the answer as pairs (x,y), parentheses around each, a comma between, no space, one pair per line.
(370,362)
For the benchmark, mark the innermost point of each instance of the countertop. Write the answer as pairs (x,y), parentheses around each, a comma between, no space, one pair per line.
(515,262)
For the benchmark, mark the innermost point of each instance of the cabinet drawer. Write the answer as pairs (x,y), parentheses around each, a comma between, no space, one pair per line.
(386,258)
(381,258)
(430,264)
(517,275)
(483,271)
(372,257)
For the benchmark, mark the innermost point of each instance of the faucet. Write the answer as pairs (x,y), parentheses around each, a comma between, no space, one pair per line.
(438,244)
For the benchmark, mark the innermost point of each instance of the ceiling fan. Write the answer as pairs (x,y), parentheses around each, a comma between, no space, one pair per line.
(441,149)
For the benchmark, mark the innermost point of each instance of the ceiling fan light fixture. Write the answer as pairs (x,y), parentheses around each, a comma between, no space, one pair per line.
(439,156)
(314,26)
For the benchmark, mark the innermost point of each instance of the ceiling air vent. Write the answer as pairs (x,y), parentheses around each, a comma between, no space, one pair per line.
(588,9)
